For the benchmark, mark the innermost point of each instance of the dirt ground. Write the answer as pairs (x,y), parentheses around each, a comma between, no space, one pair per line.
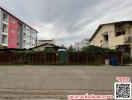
(56,82)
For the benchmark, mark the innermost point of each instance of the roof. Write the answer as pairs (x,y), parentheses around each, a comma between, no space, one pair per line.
(4,9)
(46,44)
(100,26)
(44,40)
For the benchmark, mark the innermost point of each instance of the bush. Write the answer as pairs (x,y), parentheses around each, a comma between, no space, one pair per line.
(127,59)
(96,50)
(49,50)
(24,53)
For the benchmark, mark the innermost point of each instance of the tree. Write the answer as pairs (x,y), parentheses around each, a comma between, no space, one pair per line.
(96,50)
(49,50)
(71,49)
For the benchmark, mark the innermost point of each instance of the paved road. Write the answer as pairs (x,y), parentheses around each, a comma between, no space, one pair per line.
(58,81)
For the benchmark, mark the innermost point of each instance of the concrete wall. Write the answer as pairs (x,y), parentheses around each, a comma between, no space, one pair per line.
(13,32)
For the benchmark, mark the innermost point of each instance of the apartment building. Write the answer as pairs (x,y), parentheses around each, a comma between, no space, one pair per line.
(116,35)
(14,33)
(80,45)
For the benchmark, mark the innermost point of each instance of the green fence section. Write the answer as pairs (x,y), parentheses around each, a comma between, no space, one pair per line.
(63,57)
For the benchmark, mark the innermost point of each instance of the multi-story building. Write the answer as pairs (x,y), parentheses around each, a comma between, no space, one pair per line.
(83,43)
(14,33)
(117,35)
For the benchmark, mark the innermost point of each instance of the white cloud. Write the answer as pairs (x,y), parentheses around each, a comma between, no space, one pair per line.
(69,21)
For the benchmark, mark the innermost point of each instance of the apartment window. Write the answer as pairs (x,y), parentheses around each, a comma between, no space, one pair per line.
(32,32)
(24,35)
(120,33)
(27,29)
(4,39)
(24,27)
(5,28)
(17,43)
(24,41)
(5,17)
(106,37)
(13,21)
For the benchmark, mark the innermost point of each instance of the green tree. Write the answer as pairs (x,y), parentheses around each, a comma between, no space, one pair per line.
(71,49)
(49,50)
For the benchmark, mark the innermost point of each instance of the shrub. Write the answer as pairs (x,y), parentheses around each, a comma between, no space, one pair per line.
(48,50)
(94,49)
(127,59)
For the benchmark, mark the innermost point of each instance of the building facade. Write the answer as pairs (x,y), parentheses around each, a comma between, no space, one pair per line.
(116,35)
(83,43)
(14,33)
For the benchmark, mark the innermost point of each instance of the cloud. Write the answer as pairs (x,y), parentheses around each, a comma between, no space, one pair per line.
(69,21)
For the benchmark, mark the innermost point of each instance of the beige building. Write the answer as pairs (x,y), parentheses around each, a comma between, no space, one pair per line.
(117,35)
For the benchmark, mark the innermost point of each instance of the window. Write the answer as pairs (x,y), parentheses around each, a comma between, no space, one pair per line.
(106,38)
(120,33)
(5,28)
(13,21)
(24,41)
(4,39)
(5,17)
(17,43)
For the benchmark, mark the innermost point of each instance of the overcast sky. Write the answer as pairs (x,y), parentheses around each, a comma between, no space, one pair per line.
(69,21)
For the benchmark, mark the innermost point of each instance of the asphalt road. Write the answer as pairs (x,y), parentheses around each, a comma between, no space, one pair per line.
(56,82)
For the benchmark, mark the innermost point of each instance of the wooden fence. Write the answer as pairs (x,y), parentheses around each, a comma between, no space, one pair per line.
(53,58)
(84,58)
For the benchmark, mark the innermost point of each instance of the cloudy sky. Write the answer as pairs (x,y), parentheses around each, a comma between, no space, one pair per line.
(69,21)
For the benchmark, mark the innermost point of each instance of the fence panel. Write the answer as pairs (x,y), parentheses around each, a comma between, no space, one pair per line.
(52,58)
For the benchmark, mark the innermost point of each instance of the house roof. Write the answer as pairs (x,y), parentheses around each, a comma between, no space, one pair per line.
(44,40)
(46,44)
(100,26)
(7,11)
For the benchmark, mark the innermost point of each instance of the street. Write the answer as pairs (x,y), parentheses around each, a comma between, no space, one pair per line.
(56,82)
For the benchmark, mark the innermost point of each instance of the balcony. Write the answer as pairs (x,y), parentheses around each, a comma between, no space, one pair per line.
(5,18)
(5,40)
(127,39)
(5,29)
